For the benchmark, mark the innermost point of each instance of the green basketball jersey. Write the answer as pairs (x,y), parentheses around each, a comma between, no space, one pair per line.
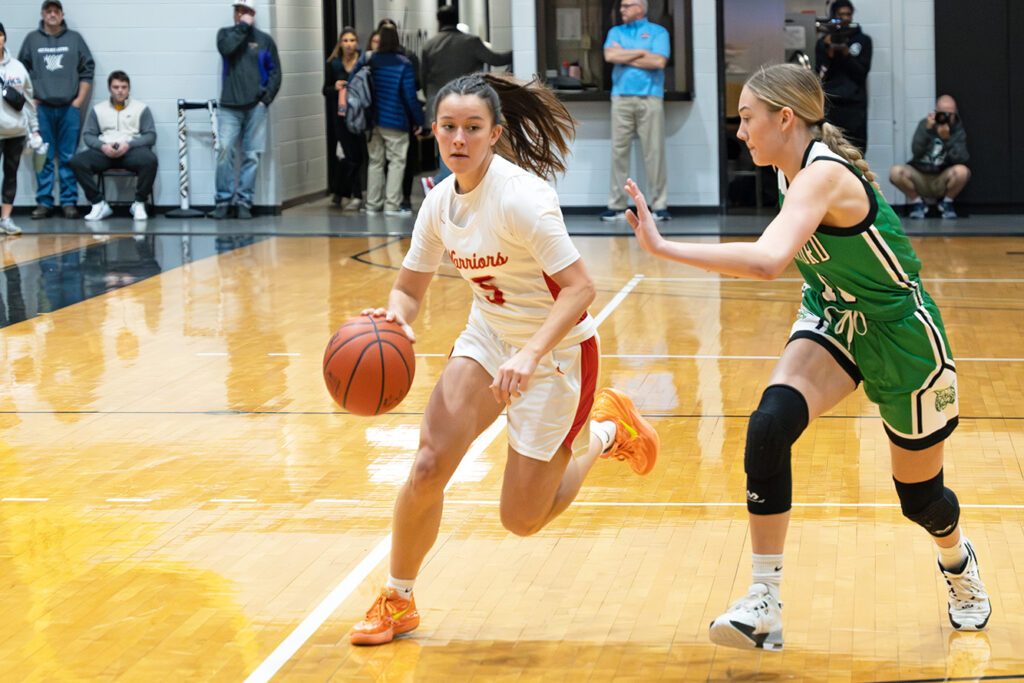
(869,267)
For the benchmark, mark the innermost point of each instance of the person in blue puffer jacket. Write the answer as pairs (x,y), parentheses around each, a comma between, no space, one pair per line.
(397,111)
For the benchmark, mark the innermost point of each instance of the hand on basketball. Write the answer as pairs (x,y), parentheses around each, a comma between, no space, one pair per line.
(391,316)
(642,221)
(513,377)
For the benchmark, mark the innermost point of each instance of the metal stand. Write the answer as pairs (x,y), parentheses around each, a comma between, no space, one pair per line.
(183,190)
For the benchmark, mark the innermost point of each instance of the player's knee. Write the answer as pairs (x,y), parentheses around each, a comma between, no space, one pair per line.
(780,418)
(427,477)
(519,522)
(930,505)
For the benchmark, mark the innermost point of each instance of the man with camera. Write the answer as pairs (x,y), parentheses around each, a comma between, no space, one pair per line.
(938,169)
(843,57)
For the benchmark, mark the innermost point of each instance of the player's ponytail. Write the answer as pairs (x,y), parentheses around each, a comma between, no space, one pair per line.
(536,127)
(789,85)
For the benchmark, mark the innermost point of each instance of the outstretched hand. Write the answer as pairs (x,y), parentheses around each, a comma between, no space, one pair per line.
(642,221)
(391,317)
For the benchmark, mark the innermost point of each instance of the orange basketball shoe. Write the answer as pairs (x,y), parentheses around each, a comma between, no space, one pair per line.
(635,438)
(389,616)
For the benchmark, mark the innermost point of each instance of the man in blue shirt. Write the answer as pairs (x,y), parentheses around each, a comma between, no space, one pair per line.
(639,50)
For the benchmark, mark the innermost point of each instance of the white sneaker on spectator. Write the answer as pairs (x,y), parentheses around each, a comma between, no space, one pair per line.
(138,211)
(354,204)
(99,211)
(8,227)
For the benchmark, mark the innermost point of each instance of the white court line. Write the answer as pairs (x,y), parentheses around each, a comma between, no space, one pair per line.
(726,278)
(284,354)
(621,504)
(232,500)
(316,618)
(24,500)
(129,500)
(283,652)
(347,501)
(212,353)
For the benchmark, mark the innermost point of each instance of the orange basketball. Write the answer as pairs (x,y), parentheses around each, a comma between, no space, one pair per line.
(369,365)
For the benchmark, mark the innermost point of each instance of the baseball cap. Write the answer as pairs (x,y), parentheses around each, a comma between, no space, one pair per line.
(56,3)
(248,4)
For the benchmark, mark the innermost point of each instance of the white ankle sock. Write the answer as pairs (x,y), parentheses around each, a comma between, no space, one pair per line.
(953,558)
(402,586)
(768,570)
(605,431)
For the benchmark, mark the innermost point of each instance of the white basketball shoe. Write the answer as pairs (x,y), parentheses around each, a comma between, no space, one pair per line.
(969,607)
(754,622)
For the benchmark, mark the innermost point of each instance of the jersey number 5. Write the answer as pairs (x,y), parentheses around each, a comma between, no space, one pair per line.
(496,297)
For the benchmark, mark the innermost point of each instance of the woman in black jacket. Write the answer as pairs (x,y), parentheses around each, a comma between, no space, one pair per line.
(344,174)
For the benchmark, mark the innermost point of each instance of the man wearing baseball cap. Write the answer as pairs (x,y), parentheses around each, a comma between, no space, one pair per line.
(61,68)
(251,79)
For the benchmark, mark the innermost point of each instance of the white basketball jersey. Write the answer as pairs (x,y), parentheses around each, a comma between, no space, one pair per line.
(505,237)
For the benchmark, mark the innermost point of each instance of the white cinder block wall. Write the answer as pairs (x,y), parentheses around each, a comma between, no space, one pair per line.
(168,48)
(169,51)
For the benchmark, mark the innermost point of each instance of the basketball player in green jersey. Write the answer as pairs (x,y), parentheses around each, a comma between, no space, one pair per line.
(864,317)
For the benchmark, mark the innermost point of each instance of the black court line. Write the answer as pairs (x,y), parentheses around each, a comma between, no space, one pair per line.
(1002,677)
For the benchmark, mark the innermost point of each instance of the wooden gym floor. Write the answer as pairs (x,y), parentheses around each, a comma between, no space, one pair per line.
(182,501)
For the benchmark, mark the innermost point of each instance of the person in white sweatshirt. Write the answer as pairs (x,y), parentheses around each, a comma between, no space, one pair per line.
(18,126)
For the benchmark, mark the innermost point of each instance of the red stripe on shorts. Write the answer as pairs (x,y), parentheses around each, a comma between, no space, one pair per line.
(590,365)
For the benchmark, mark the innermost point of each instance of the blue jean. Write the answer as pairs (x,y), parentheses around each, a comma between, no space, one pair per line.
(248,128)
(58,126)
(443,171)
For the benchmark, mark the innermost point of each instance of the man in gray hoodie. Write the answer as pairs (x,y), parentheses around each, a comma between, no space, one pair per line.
(61,67)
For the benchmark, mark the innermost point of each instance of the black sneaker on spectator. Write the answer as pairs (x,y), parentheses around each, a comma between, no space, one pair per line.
(42,211)
(69,211)
(244,212)
(219,213)
(662,215)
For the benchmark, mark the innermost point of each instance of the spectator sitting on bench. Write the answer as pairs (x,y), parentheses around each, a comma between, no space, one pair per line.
(119,133)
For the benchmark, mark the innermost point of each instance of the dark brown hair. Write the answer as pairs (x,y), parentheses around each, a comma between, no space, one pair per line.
(536,126)
(118,76)
(389,39)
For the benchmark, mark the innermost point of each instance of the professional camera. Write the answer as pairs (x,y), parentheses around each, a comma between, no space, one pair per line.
(943,118)
(839,31)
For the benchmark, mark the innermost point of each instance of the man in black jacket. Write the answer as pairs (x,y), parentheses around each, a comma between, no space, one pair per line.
(448,55)
(252,77)
(844,59)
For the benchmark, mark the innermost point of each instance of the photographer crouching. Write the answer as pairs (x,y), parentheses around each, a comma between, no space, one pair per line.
(938,169)
(843,57)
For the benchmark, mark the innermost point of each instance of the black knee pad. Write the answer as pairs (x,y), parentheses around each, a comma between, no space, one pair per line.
(930,504)
(779,420)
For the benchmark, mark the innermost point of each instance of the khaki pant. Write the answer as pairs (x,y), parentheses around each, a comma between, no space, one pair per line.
(644,117)
(387,147)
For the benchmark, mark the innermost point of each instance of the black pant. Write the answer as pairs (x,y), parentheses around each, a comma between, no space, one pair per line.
(346,180)
(852,117)
(11,148)
(89,163)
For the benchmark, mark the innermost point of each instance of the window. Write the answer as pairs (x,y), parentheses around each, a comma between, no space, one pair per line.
(570,45)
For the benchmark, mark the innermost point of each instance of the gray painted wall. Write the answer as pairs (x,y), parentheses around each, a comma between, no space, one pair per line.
(168,49)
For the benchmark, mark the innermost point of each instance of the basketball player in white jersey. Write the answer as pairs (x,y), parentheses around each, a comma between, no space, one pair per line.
(529,348)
